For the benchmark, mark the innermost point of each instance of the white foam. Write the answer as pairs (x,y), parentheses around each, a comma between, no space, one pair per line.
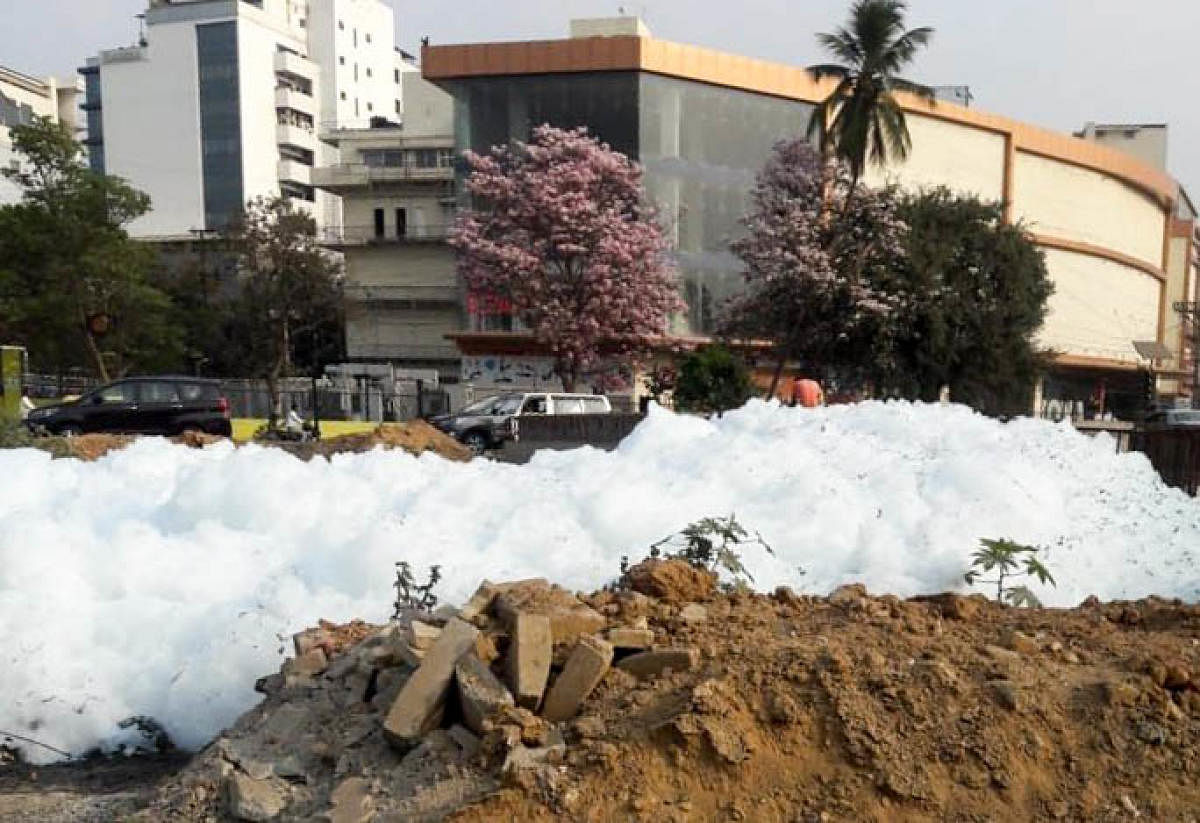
(162,580)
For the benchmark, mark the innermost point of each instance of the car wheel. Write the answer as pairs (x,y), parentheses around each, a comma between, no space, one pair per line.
(476,441)
(70,430)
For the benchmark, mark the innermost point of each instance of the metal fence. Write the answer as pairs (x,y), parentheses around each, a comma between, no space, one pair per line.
(1175,454)
(249,398)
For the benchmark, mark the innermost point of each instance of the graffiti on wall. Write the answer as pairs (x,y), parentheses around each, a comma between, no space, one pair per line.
(495,371)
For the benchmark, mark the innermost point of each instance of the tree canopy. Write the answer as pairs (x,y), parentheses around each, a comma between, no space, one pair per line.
(562,229)
(984,288)
(861,120)
(820,269)
(73,286)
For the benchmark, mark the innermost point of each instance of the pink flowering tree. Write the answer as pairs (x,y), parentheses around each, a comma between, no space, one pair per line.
(822,279)
(562,230)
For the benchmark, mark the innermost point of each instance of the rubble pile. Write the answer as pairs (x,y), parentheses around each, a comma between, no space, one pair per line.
(668,698)
(418,718)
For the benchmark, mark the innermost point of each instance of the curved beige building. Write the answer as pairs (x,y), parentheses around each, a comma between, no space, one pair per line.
(1119,241)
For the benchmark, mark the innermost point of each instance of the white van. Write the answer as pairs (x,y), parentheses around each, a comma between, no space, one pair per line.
(487,423)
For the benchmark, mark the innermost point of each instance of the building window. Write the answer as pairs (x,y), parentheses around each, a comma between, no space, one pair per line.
(399,107)
(368,35)
(356,107)
(343,95)
(370,107)
(341,26)
(369,72)
(397,74)
(355,32)
(341,61)
(379,229)
(356,72)
(401,223)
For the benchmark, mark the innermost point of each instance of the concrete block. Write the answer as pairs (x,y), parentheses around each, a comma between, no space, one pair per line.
(421,635)
(529,655)
(479,692)
(256,801)
(585,668)
(655,662)
(419,706)
(631,638)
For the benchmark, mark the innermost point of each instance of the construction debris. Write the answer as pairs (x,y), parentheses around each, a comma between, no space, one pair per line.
(487,713)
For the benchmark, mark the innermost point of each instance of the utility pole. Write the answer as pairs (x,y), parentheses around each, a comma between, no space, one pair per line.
(1190,311)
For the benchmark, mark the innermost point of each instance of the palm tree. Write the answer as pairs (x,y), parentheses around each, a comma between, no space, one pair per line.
(861,118)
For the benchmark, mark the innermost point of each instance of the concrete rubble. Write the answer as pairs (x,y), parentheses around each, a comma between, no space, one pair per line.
(433,711)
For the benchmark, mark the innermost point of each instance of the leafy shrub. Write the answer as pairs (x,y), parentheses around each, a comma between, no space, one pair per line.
(1008,560)
(711,544)
(712,379)
(413,596)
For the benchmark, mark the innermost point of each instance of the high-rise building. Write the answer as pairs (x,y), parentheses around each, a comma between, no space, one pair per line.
(397,187)
(225,100)
(24,97)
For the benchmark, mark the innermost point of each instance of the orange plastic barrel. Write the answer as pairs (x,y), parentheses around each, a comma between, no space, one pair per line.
(807,393)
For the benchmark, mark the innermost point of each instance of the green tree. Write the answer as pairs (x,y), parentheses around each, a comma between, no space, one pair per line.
(984,288)
(861,119)
(289,297)
(712,379)
(73,285)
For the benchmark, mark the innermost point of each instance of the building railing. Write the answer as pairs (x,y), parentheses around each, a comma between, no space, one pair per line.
(360,174)
(371,292)
(371,235)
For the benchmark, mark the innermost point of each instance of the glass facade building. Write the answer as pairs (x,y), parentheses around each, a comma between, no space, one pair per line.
(701,146)
(220,122)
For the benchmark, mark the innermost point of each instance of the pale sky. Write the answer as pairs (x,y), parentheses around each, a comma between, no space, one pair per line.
(1055,63)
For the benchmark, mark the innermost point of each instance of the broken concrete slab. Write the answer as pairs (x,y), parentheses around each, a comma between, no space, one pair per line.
(480,693)
(418,707)
(422,635)
(309,664)
(569,617)
(585,668)
(352,802)
(529,658)
(625,638)
(255,801)
(655,662)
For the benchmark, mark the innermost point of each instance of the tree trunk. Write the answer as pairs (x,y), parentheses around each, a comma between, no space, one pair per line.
(97,356)
(778,373)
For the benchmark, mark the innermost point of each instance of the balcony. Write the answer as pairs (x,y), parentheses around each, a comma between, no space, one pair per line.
(415,295)
(341,237)
(348,176)
(286,98)
(294,64)
(294,172)
(297,136)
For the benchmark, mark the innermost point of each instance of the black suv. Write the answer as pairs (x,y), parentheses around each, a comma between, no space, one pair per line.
(140,405)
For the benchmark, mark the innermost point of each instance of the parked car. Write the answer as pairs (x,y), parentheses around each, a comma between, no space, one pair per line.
(1173,419)
(487,423)
(140,405)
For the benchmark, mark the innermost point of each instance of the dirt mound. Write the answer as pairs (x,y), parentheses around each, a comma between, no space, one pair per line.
(671,580)
(94,446)
(740,707)
(413,436)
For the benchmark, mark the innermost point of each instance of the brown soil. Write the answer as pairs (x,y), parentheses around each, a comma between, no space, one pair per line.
(877,709)
(846,708)
(413,436)
(671,581)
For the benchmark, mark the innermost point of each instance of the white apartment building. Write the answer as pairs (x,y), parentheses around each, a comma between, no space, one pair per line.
(225,100)
(24,97)
(397,189)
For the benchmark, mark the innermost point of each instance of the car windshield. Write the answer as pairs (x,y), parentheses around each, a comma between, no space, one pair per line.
(496,404)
